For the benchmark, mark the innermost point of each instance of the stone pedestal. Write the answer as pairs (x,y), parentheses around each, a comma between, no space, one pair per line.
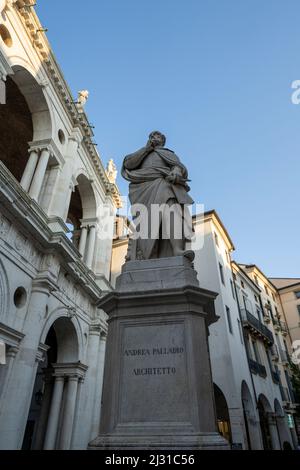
(158,391)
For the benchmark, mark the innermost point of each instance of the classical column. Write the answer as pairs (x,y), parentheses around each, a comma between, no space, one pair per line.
(61,197)
(83,238)
(69,413)
(273,431)
(10,357)
(29,170)
(39,175)
(90,246)
(44,413)
(54,413)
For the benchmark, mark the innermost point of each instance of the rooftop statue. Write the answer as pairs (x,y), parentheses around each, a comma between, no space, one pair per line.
(158,179)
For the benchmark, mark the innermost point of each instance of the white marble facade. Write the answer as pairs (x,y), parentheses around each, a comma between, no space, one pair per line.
(57,209)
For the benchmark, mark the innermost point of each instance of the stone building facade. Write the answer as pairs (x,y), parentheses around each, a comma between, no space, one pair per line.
(57,207)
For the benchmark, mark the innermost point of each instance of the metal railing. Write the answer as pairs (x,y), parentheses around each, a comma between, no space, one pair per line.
(251,320)
(257,368)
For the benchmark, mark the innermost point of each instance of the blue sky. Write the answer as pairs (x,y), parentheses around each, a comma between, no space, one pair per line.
(215,76)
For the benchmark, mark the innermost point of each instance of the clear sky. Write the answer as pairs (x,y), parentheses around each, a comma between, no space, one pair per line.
(213,75)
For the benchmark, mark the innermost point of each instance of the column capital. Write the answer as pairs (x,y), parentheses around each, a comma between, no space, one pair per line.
(95,328)
(12,351)
(70,370)
(55,156)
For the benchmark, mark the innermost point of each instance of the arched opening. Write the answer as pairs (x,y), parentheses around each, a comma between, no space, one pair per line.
(251,423)
(24,119)
(81,219)
(48,424)
(265,410)
(16,130)
(222,412)
(74,218)
(283,430)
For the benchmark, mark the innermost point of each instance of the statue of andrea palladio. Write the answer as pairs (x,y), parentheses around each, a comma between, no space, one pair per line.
(159,198)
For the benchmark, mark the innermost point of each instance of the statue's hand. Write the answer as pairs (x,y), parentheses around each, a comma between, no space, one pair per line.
(171,178)
(149,146)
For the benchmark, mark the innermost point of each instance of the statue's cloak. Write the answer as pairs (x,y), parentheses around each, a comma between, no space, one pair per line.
(148,186)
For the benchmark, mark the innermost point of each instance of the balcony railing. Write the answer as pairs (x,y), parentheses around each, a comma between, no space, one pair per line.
(280,326)
(257,368)
(249,320)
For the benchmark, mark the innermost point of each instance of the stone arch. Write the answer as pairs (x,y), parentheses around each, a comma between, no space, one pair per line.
(222,412)
(63,313)
(23,119)
(283,431)
(267,431)
(53,392)
(88,199)
(82,211)
(36,100)
(250,419)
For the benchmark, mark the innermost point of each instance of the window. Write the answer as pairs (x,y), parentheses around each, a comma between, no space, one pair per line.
(222,273)
(234,276)
(256,352)
(298,307)
(240,331)
(270,310)
(267,290)
(297,294)
(216,239)
(229,319)
(256,298)
(242,284)
(232,288)
(258,314)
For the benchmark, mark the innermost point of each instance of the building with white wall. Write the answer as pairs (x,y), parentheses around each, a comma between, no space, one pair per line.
(289,292)
(57,206)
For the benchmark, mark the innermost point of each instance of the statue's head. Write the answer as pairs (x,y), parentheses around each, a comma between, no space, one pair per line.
(157,139)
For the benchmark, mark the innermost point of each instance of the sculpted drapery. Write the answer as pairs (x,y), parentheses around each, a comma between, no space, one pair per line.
(157,177)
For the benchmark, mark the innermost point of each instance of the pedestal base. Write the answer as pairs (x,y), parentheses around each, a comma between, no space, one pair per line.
(158,391)
(203,441)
